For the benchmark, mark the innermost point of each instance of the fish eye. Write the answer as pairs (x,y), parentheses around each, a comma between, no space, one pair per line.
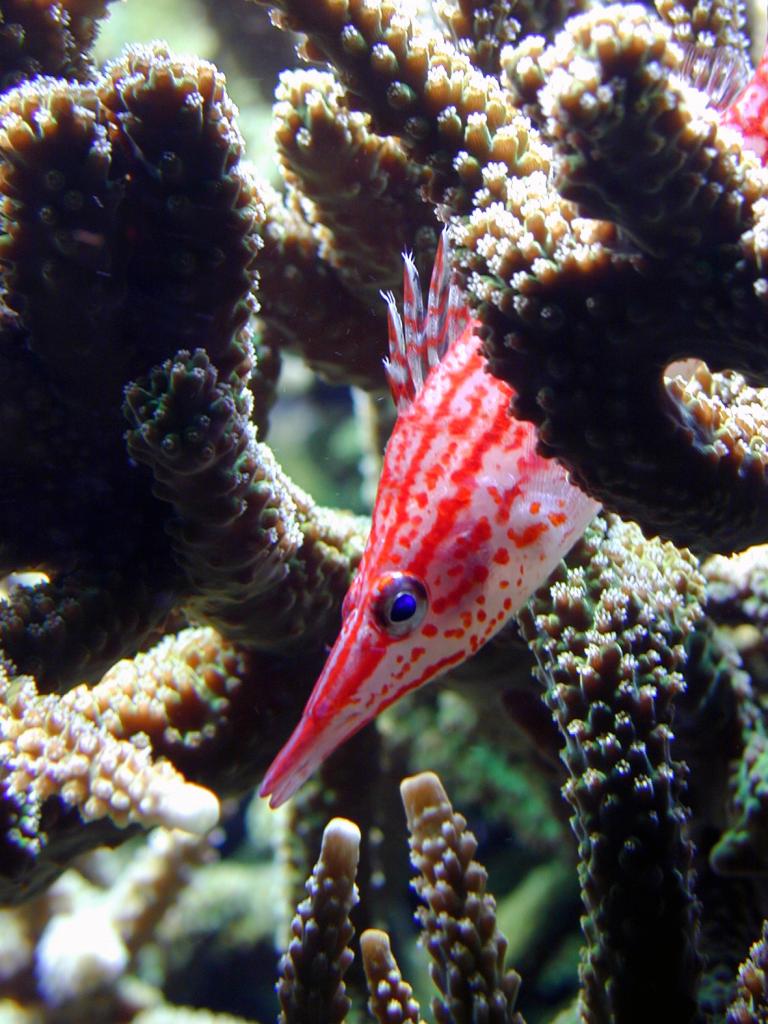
(400,604)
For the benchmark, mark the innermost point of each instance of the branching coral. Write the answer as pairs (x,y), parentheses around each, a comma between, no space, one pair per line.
(563,297)
(312,969)
(51,748)
(610,643)
(459,920)
(690,209)
(391,998)
(130,234)
(605,224)
(458,925)
(750,1003)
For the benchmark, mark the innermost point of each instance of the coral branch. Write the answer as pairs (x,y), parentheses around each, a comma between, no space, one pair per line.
(362,188)
(247,538)
(49,748)
(608,101)
(569,304)
(311,985)
(459,919)
(610,646)
(751,1003)
(418,87)
(338,336)
(85,948)
(391,1000)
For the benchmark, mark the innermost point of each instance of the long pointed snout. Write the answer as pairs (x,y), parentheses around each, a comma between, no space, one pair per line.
(344,699)
(308,746)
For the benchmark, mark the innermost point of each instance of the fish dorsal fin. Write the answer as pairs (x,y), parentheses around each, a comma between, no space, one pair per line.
(417,341)
(721,72)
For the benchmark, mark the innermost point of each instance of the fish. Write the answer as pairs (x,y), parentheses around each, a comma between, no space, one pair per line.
(748,113)
(468,521)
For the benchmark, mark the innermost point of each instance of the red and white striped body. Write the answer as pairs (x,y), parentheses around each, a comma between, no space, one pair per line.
(467,517)
(748,114)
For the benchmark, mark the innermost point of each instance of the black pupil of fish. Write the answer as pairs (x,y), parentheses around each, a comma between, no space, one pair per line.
(403,607)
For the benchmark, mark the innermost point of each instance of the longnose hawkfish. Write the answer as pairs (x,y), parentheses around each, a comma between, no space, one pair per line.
(468,521)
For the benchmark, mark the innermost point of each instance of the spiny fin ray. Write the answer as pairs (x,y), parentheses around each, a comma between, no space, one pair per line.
(417,342)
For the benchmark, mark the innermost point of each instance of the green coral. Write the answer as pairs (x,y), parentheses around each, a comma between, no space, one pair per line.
(609,638)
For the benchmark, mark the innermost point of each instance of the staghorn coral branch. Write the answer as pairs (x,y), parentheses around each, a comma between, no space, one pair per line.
(191,210)
(734,26)
(311,986)
(84,18)
(567,305)
(237,521)
(339,337)
(97,205)
(459,919)
(608,100)
(86,947)
(360,190)
(248,539)
(49,748)
(47,37)
(743,848)
(751,1002)
(714,719)
(177,692)
(194,702)
(359,42)
(418,87)
(60,211)
(153,882)
(129,230)
(609,641)
(136,227)
(481,29)
(81,622)
(214,709)
(391,1000)
(734,603)
(34,39)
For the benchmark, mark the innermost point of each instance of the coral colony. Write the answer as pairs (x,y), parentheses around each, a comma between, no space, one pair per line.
(170,594)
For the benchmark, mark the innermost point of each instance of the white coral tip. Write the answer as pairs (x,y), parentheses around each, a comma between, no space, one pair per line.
(185,806)
(340,849)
